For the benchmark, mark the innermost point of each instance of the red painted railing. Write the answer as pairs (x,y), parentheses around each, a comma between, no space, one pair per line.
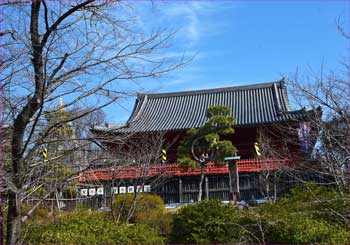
(172,169)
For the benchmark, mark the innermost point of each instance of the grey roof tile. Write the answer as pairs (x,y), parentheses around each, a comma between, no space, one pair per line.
(250,105)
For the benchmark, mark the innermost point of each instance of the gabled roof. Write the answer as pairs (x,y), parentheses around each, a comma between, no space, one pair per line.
(250,105)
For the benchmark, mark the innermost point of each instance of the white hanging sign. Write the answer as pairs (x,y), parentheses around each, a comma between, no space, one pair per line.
(100,191)
(131,189)
(115,190)
(147,188)
(83,192)
(92,192)
(139,189)
(122,189)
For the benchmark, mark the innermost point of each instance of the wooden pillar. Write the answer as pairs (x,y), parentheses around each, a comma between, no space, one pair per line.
(231,176)
(180,191)
(234,181)
(207,188)
(237,181)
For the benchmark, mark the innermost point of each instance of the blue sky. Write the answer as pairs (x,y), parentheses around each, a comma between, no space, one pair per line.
(237,43)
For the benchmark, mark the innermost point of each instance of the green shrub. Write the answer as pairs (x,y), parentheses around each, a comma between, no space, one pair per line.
(88,227)
(319,202)
(309,214)
(281,225)
(144,203)
(206,222)
(149,210)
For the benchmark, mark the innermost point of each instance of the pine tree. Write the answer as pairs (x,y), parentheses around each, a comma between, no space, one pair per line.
(204,144)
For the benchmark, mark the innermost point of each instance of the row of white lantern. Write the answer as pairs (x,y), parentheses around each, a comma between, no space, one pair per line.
(115,190)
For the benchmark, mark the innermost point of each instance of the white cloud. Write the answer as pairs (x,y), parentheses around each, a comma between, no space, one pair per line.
(187,17)
(192,17)
(193,21)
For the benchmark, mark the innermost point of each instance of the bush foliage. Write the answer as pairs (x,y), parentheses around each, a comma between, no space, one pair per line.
(149,210)
(88,227)
(310,214)
(206,222)
(144,203)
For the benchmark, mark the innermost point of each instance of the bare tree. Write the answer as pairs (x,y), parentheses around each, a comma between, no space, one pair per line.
(332,91)
(332,152)
(134,157)
(79,50)
(321,138)
(274,143)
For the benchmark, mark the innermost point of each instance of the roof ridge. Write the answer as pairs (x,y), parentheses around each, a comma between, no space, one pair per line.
(212,90)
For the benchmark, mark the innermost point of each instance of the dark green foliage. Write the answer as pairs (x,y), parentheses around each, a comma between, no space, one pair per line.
(183,152)
(320,202)
(88,227)
(280,226)
(206,222)
(209,135)
(310,214)
(220,120)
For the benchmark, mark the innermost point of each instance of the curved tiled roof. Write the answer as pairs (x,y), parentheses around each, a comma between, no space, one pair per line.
(250,105)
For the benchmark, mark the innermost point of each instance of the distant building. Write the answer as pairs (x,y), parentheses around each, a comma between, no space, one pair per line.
(254,107)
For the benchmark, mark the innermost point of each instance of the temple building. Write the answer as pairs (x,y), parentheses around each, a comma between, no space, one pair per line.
(259,110)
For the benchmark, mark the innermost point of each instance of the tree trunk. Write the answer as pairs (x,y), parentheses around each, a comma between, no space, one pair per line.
(132,208)
(1,214)
(13,220)
(200,192)
(274,188)
(19,127)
